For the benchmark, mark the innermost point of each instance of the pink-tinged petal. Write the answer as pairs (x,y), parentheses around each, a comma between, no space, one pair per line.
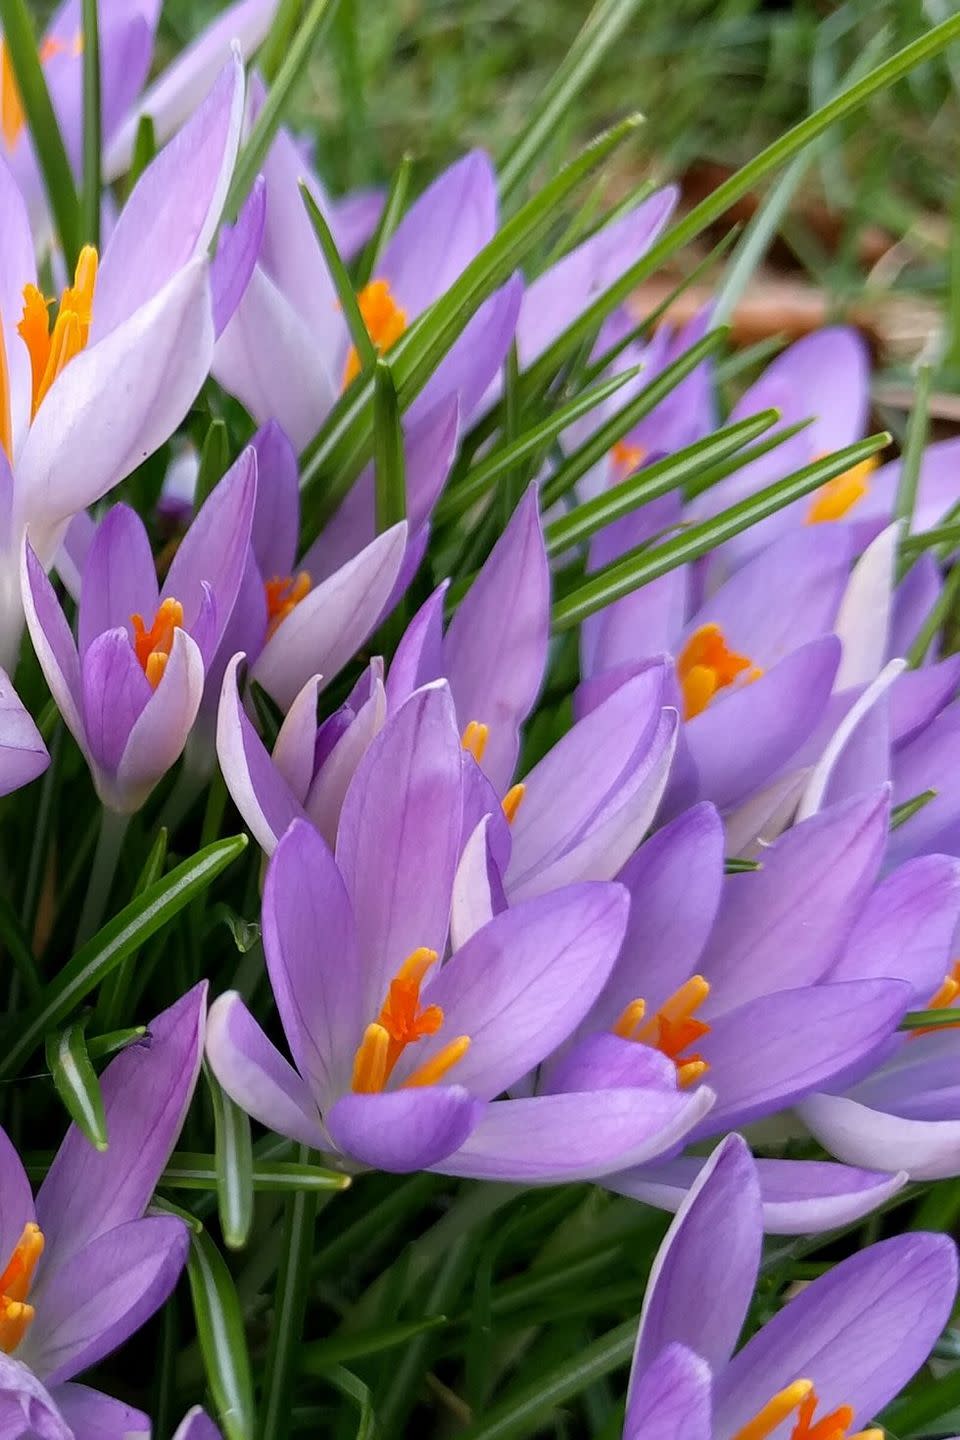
(786,924)
(712,1248)
(332,622)
(256,786)
(269,359)
(121,578)
(135,1266)
(418,659)
(441,233)
(99,1417)
(113,405)
(404,1130)
(863,620)
(115,693)
(197,1425)
(173,211)
(146,1091)
(861,1135)
(906,927)
(276,520)
(18,268)
(669,1399)
(519,986)
(675,882)
(52,641)
(213,554)
(859,1332)
(399,838)
(798,1197)
(16,1197)
(328,791)
(295,745)
(857,756)
(236,256)
(496,647)
(23,755)
(552,1139)
(777,712)
(159,734)
(310,942)
(257,1077)
(777,1049)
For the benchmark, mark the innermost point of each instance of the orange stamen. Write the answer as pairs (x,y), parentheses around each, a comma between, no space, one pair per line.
(802,1398)
(943,999)
(51,351)
(15,1282)
(474,739)
(835,499)
(434,1070)
(706,665)
(370,1061)
(153,646)
(403,1022)
(284,593)
(6,420)
(783,1404)
(672,1029)
(384,319)
(627,458)
(511,802)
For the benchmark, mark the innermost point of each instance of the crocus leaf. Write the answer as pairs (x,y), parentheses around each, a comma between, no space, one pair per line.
(317,1359)
(223,1344)
(76,1081)
(930,1019)
(144,149)
(233,1151)
(100,1046)
(92,138)
(116,985)
(214,460)
(187,1171)
(17,947)
(712,474)
(289,1308)
(900,814)
(120,937)
(343,285)
(393,208)
(390,486)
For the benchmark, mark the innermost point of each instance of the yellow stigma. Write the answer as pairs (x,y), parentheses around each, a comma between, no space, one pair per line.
(284,593)
(802,1398)
(384,319)
(52,350)
(153,646)
(403,1022)
(672,1029)
(835,499)
(627,458)
(511,802)
(706,664)
(15,1282)
(474,739)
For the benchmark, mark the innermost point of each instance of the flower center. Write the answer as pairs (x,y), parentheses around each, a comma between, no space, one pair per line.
(284,593)
(706,665)
(833,500)
(672,1029)
(800,1397)
(51,350)
(384,319)
(627,458)
(403,1022)
(12,116)
(15,1282)
(153,646)
(943,999)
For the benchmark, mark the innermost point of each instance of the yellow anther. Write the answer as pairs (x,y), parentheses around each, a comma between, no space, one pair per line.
(51,351)
(370,1061)
(511,802)
(839,496)
(706,665)
(284,593)
(671,1029)
(630,1020)
(432,1071)
(474,739)
(780,1408)
(15,1283)
(384,319)
(153,646)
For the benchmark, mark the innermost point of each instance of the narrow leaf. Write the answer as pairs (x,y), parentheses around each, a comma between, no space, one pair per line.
(393,208)
(359,334)
(318,1358)
(214,461)
(144,149)
(186,1171)
(930,1019)
(92,140)
(290,1303)
(389,467)
(114,991)
(906,810)
(222,1342)
(233,1149)
(76,1081)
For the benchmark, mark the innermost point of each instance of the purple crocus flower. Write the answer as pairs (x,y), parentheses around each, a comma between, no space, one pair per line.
(130,688)
(23,755)
(88,1234)
(400,1057)
(744,982)
(286,354)
(197,1425)
(829,1361)
(130,347)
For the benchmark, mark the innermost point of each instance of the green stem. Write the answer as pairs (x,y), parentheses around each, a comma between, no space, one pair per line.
(290,1302)
(113,828)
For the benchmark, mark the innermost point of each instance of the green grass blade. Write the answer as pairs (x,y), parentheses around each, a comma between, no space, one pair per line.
(602,29)
(223,1345)
(359,334)
(389,466)
(715,473)
(100,1046)
(120,937)
(906,497)
(76,1082)
(92,139)
(290,1304)
(906,810)
(254,152)
(214,461)
(17,947)
(640,567)
(21,42)
(114,991)
(188,1171)
(144,150)
(393,208)
(233,1152)
(319,1357)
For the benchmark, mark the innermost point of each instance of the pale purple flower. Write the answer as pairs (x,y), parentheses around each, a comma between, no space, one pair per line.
(130,687)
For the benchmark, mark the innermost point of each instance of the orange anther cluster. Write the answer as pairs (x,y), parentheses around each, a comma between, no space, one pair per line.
(801,1398)
(403,1022)
(627,458)
(284,593)
(384,319)
(474,739)
(672,1029)
(15,1282)
(706,665)
(833,500)
(153,646)
(511,802)
(51,350)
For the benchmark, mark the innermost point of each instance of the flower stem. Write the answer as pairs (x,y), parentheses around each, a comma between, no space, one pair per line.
(113,828)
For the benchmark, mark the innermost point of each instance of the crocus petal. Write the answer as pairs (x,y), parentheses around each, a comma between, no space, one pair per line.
(552,1139)
(197,1425)
(919,696)
(256,1076)
(136,1266)
(328,791)
(418,658)
(173,211)
(604,1061)
(399,838)
(859,1332)
(520,984)
(99,1417)
(863,620)
(160,733)
(310,942)
(26,1407)
(774,1050)
(332,622)
(927,763)
(256,786)
(52,641)
(778,712)
(276,520)
(404,1130)
(785,924)
(761,819)
(857,755)
(114,404)
(16,1197)
(496,646)
(146,1091)
(906,927)
(476,357)
(213,554)
(861,1135)
(670,1398)
(295,746)
(712,1248)
(121,579)
(18,268)
(23,755)
(473,895)
(115,694)
(236,256)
